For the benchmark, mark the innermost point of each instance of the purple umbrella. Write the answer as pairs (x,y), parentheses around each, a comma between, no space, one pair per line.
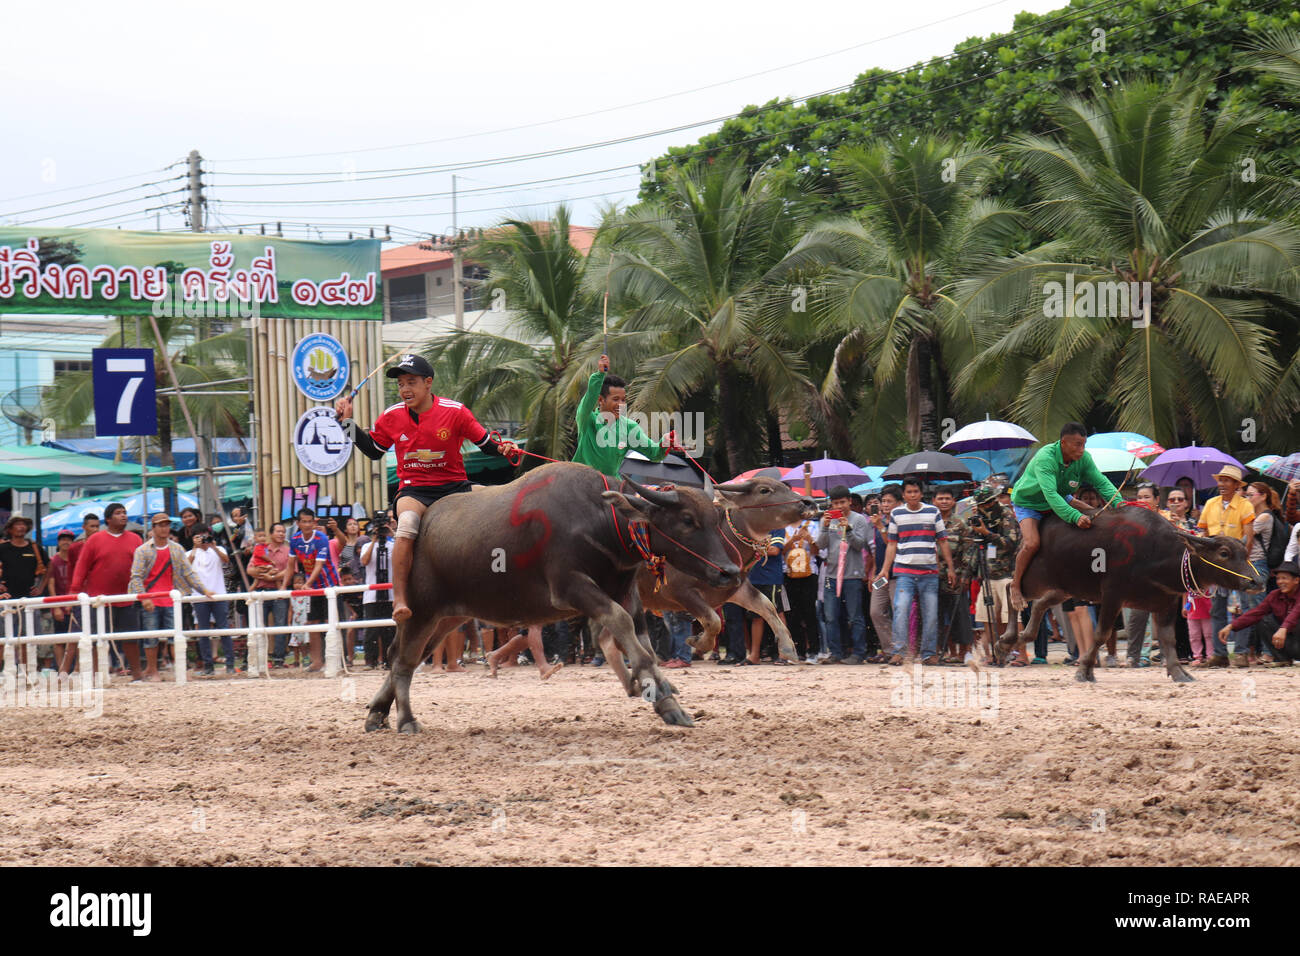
(826,474)
(1197,462)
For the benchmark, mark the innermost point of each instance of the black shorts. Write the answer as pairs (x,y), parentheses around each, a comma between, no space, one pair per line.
(319,612)
(428,494)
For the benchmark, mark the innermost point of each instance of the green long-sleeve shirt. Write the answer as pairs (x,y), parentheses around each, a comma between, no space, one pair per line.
(602,444)
(1048,480)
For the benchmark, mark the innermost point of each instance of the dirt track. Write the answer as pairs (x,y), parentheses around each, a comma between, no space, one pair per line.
(785,765)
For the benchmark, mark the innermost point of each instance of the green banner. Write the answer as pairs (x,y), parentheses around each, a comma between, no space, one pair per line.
(116,272)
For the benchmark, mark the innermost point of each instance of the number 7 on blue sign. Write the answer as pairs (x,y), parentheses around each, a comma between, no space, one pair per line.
(125,399)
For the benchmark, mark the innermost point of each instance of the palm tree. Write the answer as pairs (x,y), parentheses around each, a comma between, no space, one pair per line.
(537,275)
(688,272)
(194,360)
(1140,187)
(882,281)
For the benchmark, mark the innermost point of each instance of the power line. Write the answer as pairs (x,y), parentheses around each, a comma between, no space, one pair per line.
(401,172)
(77,202)
(102,182)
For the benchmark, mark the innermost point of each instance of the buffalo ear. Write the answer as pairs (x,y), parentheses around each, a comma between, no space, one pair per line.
(744,488)
(631,505)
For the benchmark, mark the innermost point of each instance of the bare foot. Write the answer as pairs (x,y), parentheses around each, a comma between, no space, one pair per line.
(548,671)
(401,613)
(436,669)
(153,678)
(454,669)
(315,667)
(493,664)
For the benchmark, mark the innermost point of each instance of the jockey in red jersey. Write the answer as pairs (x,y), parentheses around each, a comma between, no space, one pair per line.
(426,431)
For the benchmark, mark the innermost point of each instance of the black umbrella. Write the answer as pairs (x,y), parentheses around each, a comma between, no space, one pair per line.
(672,469)
(928,466)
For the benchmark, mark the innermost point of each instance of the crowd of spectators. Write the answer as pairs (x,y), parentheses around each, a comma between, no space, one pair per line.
(886,578)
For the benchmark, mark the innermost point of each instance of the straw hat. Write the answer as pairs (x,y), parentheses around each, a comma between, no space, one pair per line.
(1229,471)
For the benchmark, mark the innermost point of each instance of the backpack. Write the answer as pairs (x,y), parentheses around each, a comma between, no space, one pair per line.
(1277,542)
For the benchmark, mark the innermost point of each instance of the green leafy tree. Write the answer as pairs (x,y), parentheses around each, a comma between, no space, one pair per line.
(537,276)
(884,279)
(688,272)
(1144,184)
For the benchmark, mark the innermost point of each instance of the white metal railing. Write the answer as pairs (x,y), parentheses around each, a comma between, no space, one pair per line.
(98,637)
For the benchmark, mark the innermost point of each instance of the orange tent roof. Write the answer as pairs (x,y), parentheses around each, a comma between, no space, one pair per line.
(420,257)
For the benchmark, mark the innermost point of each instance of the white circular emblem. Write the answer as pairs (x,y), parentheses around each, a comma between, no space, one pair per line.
(320,442)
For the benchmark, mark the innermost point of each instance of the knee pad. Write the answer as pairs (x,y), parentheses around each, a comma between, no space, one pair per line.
(408,524)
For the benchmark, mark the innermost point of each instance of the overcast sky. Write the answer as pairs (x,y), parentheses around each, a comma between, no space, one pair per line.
(329,92)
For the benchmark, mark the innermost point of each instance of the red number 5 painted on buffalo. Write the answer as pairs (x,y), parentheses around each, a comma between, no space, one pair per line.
(518,519)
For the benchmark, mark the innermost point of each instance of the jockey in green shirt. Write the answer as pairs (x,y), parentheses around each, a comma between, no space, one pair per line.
(604,434)
(1049,482)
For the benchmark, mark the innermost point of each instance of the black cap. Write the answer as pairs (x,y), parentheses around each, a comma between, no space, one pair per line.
(411,364)
(1287,567)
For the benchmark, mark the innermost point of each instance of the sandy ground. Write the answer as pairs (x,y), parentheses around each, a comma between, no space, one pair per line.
(787,765)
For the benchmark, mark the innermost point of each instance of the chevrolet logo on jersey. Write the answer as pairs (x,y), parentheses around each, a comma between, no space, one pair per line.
(424,454)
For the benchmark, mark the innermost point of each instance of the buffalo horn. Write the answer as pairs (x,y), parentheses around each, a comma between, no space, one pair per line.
(664,499)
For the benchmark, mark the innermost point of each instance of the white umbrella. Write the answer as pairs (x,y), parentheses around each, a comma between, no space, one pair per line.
(990,435)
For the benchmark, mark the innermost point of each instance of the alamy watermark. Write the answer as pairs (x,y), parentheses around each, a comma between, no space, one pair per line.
(945,689)
(1100,300)
(178,304)
(686,427)
(45,689)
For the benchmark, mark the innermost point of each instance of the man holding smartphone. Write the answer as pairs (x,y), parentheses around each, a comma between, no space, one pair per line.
(842,525)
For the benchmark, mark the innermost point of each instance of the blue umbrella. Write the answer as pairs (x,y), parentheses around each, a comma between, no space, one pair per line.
(68,517)
(868,487)
(1131,442)
(1262,462)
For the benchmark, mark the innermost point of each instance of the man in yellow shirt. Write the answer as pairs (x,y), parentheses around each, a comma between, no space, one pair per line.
(1232,515)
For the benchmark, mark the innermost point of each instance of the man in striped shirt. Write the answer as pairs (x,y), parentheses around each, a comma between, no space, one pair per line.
(916,538)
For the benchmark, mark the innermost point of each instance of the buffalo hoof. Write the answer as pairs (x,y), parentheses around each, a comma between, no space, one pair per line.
(376,721)
(1085,676)
(650,693)
(410,727)
(1182,677)
(666,689)
(672,713)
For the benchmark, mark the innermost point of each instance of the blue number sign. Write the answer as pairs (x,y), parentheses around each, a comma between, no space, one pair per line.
(125,403)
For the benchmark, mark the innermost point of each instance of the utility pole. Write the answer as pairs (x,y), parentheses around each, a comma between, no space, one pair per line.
(457,263)
(196,192)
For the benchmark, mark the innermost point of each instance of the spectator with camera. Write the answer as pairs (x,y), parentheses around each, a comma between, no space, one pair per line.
(881,607)
(377,605)
(988,557)
(841,539)
(209,561)
(955,631)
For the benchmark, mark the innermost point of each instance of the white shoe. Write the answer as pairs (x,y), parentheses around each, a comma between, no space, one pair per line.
(1112,660)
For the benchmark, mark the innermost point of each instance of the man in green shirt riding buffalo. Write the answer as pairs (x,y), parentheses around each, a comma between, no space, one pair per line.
(1050,481)
(604,434)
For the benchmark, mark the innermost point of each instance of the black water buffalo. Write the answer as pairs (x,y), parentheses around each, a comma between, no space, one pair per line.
(755,507)
(549,545)
(1130,557)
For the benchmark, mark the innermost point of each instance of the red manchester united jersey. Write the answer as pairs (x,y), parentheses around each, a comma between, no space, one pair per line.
(428,447)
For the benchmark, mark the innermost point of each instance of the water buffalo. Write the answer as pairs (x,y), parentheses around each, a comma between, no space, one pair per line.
(755,507)
(549,545)
(1130,557)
